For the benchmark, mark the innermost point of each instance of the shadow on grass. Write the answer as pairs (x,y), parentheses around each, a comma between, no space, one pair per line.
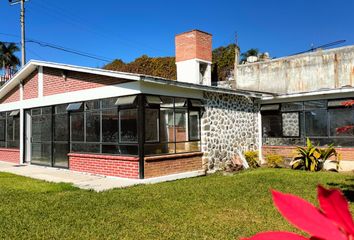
(347,188)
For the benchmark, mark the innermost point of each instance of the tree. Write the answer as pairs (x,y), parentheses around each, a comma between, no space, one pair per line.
(8,60)
(223,63)
(248,53)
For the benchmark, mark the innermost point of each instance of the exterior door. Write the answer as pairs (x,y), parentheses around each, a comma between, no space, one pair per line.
(28,136)
(41,140)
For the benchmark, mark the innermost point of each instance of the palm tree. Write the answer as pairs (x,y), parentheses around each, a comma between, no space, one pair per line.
(248,53)
(8,60)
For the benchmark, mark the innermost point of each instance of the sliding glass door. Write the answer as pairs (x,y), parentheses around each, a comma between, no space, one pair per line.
(41,140)
(49,141)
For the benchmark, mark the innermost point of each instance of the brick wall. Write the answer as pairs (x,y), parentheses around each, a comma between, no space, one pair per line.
(12,96)
(193,44)
(116,166)
(54,82)
(30,87)
(10,155)
(170,164)
(347,154)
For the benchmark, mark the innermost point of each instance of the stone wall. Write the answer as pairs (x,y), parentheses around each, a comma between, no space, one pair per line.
(229,124)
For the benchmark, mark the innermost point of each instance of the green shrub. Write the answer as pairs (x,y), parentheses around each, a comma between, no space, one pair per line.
(252,158)
(312,158)
(274,160)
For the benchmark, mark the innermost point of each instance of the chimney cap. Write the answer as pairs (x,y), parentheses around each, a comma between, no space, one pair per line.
(194,30)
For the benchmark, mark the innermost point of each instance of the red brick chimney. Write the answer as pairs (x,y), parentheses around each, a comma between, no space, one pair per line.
(194,57)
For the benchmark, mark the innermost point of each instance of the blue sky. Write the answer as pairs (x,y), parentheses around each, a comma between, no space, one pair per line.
(127,29)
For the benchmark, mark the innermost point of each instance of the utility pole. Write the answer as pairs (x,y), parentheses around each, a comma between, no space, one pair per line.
(22,20)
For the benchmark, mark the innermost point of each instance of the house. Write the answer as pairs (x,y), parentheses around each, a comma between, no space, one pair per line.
(312,99)
(127,125)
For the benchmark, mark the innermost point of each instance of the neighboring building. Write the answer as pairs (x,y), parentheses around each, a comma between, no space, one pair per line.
(312,94)
(127,125)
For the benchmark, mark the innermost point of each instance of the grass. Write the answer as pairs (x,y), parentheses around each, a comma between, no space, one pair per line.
(212,207)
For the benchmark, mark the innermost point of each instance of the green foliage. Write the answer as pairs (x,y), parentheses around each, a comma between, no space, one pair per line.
(164,67)
(312,158)
(7,55)
(252,158)
(248,53)
(223,62)
(274,160)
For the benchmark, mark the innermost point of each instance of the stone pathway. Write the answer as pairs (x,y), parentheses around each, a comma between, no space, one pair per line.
(84,180)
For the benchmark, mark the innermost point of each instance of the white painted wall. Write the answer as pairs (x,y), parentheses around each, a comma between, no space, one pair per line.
(189,71)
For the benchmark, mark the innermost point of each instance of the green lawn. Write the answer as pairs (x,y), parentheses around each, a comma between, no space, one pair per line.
(212,207)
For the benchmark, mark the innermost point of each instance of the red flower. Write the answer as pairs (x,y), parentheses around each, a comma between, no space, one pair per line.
(344,129)
(348,103)
(332,222)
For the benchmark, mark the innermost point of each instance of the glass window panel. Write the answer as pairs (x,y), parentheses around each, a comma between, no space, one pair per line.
(93,128)
(41,128)
(341,122)
(17,129)
(151,125)
(316,123)
(120,149)
(60,108)
(61,131)
(315,104)
(153,100)
(338,102)
(291,124)
(271,125)
(36,111)
(187,147)
(92,105)
(77,126)
(2,144)
(13,144)
(60,154)
(167,102)
(196,103)
(159,148)
(180,102)
(41,153)
(14,113)
(128,149)
(181,126)
(273,107)
(110,148)
(128,125)
(293,106)
(128,100)
(167,125)
(85,147)
(108,102)
(110,125)
(10,128)
(194,127)
(47,110)
(2,129)
(74,107)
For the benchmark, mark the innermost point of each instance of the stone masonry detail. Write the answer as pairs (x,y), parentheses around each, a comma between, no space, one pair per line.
(229,125)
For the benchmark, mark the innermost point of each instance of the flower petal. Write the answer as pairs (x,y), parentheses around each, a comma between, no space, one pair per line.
(335,207)
(306,217)
(276,236)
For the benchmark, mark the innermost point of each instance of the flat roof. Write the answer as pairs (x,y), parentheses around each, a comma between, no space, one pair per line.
(34,64)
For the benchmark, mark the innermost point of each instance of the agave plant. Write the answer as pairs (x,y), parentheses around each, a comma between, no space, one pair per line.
(312,158)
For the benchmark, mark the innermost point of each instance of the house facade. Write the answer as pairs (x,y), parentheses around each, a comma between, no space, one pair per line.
(127,125)
(312,98)
(136,126)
